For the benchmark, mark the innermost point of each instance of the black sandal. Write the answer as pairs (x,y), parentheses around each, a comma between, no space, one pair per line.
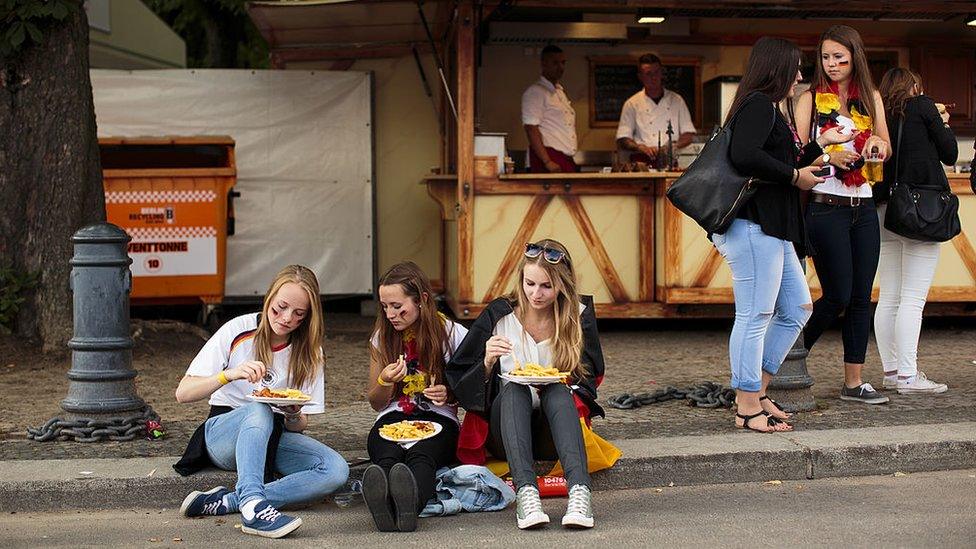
(746,419)
(777,406)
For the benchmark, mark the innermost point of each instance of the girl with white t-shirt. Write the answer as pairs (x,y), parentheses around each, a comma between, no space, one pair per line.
(841,219)
(411,343)
(544,321)
(279,348)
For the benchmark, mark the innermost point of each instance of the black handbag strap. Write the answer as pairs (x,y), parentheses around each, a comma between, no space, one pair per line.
(901,124)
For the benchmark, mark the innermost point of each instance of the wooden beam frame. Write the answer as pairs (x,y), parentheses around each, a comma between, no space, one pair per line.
(465,147)
(516,247)
(599,253)
(645,240)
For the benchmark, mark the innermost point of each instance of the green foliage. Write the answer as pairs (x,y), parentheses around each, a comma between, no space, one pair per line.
(218,33)
(13,286)
(22,21)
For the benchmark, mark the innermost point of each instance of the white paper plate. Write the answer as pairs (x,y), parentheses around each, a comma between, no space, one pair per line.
(533,380)
(280,401)
(437,429)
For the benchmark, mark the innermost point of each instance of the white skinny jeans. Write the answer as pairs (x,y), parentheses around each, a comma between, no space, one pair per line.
(905,271)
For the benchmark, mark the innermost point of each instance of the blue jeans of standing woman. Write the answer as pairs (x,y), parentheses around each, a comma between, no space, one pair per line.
(772,301)
(238,440)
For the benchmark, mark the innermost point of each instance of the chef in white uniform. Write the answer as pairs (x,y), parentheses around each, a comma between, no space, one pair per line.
(645,115)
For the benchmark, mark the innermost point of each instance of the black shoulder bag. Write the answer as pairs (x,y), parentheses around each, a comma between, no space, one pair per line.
(921,212)
(712,190)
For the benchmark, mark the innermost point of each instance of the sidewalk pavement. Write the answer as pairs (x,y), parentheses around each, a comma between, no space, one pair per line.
(662,443)
(150,482)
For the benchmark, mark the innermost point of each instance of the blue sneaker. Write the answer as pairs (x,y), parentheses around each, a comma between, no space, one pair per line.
(209,503)
(269,522)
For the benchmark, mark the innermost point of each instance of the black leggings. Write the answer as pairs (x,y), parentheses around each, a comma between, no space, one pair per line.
(846,243)
(423,458)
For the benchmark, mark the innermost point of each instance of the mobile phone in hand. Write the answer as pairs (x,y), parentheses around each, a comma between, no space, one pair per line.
(825,171)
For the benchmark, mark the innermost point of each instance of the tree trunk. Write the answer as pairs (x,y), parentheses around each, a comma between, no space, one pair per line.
(50,171)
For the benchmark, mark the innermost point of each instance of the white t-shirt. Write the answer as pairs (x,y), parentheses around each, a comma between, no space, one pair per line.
(641,118)
(524,347)
(546,105)
(833,185)
(455,335)
(232,345)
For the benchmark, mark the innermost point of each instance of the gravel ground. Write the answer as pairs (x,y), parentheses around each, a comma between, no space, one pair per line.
(640,356)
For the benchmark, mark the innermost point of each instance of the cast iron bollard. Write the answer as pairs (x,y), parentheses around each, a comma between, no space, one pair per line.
(102,402)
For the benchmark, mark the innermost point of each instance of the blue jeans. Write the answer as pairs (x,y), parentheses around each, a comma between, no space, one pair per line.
(238,440)
(770,293)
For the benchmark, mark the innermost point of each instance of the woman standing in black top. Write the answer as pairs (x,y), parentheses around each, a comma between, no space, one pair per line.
(907,266)
(772,301)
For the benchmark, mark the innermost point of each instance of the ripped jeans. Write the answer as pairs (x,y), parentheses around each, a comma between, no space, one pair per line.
(772,301)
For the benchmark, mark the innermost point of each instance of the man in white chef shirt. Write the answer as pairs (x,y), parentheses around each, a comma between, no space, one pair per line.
(549,118)
(647,112)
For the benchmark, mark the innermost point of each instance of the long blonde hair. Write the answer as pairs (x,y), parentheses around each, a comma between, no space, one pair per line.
(567,341)
(306,340)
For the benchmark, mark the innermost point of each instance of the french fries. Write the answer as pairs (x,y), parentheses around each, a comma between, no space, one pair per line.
(531,369)
(403,430)
(281,393)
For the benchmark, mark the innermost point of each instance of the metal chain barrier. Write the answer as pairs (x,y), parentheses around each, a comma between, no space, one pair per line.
(704,395)
(94,430)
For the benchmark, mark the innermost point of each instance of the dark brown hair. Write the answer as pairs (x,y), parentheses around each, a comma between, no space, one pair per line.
(860,71)
(771,69)
(897,87)
(429,329)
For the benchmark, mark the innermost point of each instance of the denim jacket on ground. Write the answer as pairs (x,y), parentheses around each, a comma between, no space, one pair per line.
(468,488)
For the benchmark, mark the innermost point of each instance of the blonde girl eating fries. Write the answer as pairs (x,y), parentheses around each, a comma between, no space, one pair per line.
(543,321)
(278,348)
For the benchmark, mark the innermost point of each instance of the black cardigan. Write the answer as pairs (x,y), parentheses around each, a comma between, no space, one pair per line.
(763,147)
(926,144)
(465,372)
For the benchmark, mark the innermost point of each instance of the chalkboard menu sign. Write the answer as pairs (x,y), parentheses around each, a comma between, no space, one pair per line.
(614,79)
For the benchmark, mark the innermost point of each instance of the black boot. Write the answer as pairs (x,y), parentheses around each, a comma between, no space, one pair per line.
(377,497)
(403,491)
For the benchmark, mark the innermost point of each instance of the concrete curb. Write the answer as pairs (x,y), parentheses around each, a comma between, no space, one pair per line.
(49,485)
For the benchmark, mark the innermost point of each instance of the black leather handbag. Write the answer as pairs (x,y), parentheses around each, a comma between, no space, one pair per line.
(712,190)
(921,212)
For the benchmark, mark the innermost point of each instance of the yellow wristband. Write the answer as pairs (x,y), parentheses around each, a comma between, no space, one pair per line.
(222,378)
(379,379)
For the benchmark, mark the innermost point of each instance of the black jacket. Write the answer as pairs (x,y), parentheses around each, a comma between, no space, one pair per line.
(465,372)
(763,147)
(926,144)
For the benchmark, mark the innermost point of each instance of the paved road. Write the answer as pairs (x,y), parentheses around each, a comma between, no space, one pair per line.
(916,510)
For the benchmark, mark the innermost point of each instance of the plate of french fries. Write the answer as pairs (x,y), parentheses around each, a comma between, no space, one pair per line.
(410,431)
(534,374)
(279,397)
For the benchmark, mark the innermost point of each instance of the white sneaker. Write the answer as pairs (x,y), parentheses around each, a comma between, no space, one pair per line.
(579,511)
(528,508)
(890,382)
(921,385)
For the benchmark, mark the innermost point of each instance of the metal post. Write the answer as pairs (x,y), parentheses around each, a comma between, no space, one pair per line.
(102,402)
(792,386)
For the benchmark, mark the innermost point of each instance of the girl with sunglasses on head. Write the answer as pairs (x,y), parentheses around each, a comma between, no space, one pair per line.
(278,348)
(411,343)
(841,219)
(761,246)
(544,321)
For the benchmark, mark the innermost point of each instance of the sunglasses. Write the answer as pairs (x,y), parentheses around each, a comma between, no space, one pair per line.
(551,255)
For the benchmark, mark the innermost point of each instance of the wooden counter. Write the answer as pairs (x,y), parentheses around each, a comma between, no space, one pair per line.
(633,251)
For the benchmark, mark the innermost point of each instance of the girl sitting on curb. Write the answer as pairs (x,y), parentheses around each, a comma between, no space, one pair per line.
(279,348)
(544,321)
(411,343)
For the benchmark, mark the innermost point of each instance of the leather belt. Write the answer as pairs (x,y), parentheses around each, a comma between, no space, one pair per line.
(838,200)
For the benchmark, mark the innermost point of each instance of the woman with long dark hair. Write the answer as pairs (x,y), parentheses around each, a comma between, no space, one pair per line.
(411,343)
(907,266)
(841,218)
(772,301)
